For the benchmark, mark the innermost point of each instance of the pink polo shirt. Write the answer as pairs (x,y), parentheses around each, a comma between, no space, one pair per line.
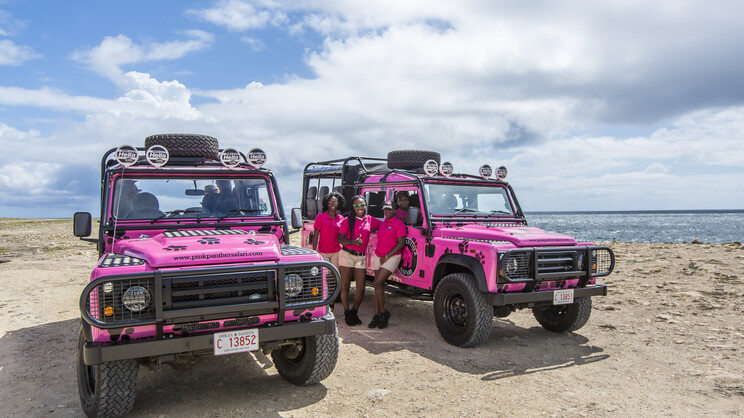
(362,227)
(327,227)
(388,234)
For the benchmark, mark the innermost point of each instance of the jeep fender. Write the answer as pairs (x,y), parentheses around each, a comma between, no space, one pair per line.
(469,263)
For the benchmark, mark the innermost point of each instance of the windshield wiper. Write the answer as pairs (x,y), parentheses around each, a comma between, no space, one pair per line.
(464,210)
(175,212)
(232,211)
(493,212)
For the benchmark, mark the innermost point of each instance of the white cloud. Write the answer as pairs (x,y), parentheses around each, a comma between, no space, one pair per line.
(12,54)
(256,44)
(240,15)
(116,51)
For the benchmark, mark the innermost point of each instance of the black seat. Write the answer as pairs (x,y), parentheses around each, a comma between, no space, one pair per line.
(145,205)
(321,194)
(311,208)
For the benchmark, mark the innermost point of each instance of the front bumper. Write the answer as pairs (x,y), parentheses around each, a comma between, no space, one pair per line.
(97,353)
(516,298)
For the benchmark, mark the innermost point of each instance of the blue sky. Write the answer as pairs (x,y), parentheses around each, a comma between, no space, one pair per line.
(616,105)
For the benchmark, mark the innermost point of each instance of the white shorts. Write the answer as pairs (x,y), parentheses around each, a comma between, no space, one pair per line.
(330,257)
(346,259)
(391,265)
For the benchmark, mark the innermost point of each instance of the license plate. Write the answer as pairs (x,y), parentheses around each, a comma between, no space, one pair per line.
(563,297)
(235,341)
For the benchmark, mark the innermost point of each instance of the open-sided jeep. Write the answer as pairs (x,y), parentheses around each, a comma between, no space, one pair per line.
(468,245)
(195,260)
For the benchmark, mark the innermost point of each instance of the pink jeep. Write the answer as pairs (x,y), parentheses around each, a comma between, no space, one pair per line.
(468,246)
(194,260)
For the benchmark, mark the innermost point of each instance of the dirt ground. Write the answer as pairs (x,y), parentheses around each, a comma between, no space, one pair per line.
(667,340)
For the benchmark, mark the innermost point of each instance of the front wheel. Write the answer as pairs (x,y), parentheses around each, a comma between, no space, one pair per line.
(309,361)
(108,389)
(562,318)
(461,312)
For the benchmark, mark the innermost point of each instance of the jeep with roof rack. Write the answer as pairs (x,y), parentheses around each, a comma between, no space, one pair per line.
(194,260)
(468,246)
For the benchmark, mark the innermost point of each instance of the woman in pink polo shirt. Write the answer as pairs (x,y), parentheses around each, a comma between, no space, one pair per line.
(391,236)
(353,235)
(325,238)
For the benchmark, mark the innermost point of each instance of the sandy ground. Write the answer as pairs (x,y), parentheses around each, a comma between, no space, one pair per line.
(667,340)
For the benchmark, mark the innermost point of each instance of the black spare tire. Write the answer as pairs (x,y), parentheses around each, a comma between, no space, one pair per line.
(411,159)
(185,145)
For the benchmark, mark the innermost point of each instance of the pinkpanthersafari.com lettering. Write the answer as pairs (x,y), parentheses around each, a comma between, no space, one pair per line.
(218,255)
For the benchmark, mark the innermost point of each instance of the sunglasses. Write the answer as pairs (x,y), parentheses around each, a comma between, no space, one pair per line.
(359,205)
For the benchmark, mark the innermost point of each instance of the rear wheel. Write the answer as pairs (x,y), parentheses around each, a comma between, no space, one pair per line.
(309,361)
(461,312)
(185,145)
(108,389)
(562,318)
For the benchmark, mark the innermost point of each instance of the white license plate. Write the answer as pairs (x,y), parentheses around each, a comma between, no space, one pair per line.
(563,297)
(235,341)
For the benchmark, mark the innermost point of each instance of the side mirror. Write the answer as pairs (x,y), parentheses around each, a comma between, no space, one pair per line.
(296,218)
(81,224)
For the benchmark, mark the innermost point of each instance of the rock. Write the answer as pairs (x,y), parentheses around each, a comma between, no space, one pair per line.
(376,395)
(695,241)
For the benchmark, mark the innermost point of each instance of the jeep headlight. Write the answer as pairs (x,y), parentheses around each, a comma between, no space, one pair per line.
(580,262)
(136,298)
(511,266)
(292,285)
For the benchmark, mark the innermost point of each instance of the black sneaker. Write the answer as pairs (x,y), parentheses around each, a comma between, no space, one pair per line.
(384,318)
(375,321)
(355,317)
(348,318)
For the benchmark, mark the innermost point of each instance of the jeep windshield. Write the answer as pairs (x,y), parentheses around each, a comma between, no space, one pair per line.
(148,198)
(445,200)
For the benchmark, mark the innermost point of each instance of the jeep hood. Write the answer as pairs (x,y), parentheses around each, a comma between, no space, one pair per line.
(521,236)
(186,250)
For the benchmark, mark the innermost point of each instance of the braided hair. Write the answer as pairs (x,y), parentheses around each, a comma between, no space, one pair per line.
(351,216)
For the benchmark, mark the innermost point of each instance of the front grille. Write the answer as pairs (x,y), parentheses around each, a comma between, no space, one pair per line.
(555,263)
(207,290)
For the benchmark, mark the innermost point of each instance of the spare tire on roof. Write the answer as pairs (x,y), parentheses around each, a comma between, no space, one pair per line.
(411,159)
(185,145)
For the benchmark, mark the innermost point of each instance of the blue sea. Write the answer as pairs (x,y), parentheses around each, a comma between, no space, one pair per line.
(711,226)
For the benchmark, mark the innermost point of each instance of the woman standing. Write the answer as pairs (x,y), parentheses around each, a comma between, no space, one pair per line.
(390,240)
(353,235)
(325,238)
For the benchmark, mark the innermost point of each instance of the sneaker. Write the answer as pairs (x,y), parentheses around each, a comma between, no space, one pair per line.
(375,321)
(355,317)
(348,318)
(384,318)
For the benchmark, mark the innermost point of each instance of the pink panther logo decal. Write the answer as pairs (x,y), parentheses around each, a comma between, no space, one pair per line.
(409,260)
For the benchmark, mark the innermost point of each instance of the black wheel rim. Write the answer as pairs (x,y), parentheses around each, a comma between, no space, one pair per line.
(455,310)
(295,353)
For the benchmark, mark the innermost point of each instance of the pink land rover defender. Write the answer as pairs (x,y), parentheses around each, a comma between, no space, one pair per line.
(468,245)
(195,260)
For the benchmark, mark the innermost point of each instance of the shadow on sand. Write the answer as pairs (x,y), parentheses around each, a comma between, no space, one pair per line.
(509,351)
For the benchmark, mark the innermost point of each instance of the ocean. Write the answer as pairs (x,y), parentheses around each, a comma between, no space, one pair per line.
(711,226)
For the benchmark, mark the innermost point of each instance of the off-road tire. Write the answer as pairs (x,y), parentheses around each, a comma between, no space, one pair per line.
(461,312)
(106,390)
(411,159)
(313,362)
(562,318)
(185,145)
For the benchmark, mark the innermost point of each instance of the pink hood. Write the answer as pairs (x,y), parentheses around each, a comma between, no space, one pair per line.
(175,249)
(521,236)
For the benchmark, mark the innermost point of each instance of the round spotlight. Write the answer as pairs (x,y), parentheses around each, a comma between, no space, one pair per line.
(314,271)
(292,285)
(136,298)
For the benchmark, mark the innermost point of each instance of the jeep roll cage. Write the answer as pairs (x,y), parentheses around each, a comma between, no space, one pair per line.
(180,165)
(353,176)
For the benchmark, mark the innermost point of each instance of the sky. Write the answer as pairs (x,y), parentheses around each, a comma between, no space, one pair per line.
(612,105)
